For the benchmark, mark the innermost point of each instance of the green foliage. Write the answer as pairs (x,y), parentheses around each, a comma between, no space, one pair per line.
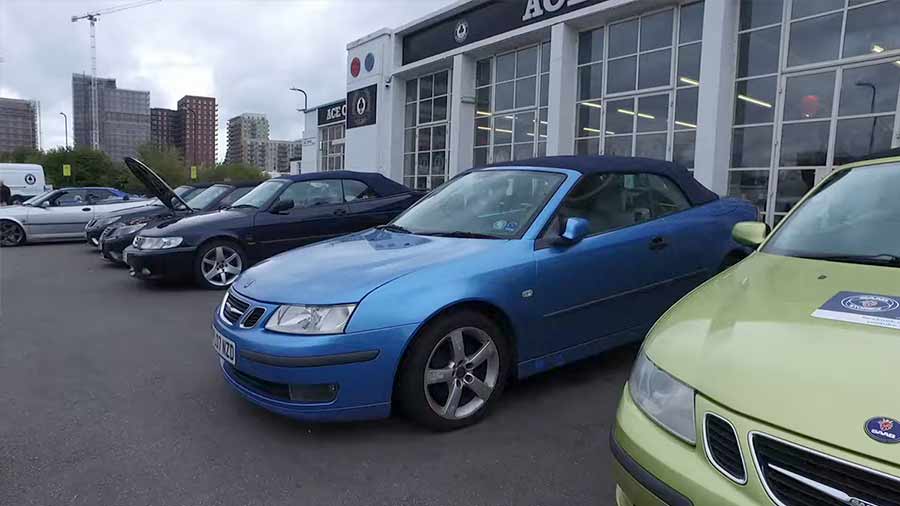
(234,172)
(89,168)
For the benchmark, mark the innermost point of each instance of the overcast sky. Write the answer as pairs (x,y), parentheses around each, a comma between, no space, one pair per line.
(246,53)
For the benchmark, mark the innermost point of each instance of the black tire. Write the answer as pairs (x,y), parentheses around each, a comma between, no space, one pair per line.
(416,399)
(201,266)
(11,234)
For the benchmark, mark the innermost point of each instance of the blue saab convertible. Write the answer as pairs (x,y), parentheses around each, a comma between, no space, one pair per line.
(501,273)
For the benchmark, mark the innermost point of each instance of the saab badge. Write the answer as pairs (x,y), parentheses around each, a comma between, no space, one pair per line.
(30,179)
(884,430)
(462,31)
(362,111)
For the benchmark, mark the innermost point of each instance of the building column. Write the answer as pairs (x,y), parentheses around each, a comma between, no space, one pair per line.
(716,103)
(462,115)
(563,68)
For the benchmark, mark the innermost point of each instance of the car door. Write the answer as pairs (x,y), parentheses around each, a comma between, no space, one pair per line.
(601,286)
(319,213)
(65,215)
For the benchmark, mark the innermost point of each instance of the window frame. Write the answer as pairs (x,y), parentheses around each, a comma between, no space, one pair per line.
(368,189)
(311,181)
(416,127)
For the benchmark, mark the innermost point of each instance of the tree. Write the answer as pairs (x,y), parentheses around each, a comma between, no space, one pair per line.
(233,172)
(89,168)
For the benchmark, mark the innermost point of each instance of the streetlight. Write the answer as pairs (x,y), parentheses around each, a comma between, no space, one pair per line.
(305,99)
(871,111)
(66,125)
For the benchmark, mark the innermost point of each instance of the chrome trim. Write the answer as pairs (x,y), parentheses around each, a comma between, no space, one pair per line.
(808,450)
(838,495)
(247,315)
(737,439)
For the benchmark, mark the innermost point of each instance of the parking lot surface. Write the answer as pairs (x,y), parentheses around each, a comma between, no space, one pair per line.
(111,394)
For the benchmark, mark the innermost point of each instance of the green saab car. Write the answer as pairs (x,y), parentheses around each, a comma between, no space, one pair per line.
(778,381)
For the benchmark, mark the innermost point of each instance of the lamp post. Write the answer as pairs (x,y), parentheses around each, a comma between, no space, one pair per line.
(871,111)
(305,99)
(66,126)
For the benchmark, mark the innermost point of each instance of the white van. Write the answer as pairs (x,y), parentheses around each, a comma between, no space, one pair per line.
(25,180)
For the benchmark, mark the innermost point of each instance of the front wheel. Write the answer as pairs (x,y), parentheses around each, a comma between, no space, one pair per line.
(218,264)
(454,371)
(11,233)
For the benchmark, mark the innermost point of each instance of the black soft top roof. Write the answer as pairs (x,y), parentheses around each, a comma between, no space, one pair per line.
(693,190)
(382,185)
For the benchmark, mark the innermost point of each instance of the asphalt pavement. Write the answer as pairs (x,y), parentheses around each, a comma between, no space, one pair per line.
(110,394)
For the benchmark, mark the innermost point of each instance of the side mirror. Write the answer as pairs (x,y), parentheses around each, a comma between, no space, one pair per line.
(750,233)
(281,206)
(45,203)
(576,229)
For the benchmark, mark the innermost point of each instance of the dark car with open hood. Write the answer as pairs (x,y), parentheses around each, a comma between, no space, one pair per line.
(278,215)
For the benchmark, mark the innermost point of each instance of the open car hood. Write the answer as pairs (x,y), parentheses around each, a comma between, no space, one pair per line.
(155,185)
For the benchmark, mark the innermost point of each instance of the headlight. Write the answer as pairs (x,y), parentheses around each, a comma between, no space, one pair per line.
(141,242)
(667,401)
(130,229)
(311,319)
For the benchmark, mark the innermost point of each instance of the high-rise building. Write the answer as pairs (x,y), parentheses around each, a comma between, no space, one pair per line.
(279,155)
(163,127)
(198,128)
(248,136)
(124,116)
(18,124)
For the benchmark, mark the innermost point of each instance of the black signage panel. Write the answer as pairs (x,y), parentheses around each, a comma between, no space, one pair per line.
(332,113)
(481,22)
(362,107)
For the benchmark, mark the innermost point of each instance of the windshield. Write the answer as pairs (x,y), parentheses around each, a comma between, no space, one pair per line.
(836,223)
(203,199)
(494,203)
(37,198)
(260,195)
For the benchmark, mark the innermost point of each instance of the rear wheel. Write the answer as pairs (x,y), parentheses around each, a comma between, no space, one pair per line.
(218,264)
(11,233)
(454,371)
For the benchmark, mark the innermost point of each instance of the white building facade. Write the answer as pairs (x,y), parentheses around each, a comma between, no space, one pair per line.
(759,98)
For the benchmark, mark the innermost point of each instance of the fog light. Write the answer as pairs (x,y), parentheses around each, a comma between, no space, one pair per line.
(314,393)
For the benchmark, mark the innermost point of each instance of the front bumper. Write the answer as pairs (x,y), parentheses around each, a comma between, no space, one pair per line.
(653,468)
(360,366)
(112,247)
(175,263)
(92,236)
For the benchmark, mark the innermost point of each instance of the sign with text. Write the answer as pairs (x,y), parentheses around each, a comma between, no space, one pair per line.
(862,308)
(363,107)
(67,170)
(332,113)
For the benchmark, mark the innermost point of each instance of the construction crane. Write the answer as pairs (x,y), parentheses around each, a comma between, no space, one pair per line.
(93,17)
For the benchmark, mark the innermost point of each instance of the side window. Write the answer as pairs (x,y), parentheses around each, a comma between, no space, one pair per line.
(357,190)
(232,197)
(666,195)
(314,193)
(95,196)
(69,198)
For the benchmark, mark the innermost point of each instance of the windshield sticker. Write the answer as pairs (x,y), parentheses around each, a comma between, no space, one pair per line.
(863,308)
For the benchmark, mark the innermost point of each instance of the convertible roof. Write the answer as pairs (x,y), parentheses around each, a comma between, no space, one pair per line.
(695,192)
(382,185)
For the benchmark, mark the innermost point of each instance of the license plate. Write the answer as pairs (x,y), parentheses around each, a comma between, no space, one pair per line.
(224,347)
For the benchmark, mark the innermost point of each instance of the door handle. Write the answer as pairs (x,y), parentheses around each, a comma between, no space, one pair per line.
(340,212)
(85,209)
(658,243)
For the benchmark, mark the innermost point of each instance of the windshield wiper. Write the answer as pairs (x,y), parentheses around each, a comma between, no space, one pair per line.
(461,234)
(886,259)
(242,206)
(390,227)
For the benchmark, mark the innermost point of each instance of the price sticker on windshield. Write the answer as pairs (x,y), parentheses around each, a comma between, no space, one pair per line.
(862,308)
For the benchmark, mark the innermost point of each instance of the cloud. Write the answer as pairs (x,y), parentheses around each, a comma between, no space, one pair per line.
(245,53)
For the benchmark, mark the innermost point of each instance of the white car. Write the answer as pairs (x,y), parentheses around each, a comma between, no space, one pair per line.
(59,214)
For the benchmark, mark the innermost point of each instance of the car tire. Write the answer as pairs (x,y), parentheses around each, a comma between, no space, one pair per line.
(218,263)
(11,234)
(434,372)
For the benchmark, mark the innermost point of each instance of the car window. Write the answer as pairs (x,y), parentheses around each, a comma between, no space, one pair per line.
(314,193)
(203,199)
(69,198)
(357,190)
(232,197)
(95,196)
(611,201)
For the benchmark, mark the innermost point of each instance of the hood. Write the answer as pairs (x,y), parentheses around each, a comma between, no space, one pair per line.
(747,340)
(155,185)
(344,270)
(179,225)
(154,209)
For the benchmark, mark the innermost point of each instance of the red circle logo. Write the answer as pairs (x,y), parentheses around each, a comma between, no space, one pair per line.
(354,67)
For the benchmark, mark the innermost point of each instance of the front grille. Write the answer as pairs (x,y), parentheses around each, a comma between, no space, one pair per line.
(92,222)
(106,233)
(797,476)
(253,318)
(233,309)
(279,391)
(723,449)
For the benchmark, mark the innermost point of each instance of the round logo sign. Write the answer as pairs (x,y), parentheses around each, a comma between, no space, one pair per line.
(354,67)
(883,430)
(30,179)
(361,105)
(870,303)
(370,62)
(462,31)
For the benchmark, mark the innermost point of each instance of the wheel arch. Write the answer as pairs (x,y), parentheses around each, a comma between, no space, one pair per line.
(21,225)
(222,237)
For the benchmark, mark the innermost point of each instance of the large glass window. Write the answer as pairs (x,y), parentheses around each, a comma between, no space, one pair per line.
(511,99)
(331,147)
(427,130)
(628,114)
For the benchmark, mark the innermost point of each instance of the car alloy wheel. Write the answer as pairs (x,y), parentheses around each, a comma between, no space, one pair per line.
(461,373)
(11,234)
(221,265)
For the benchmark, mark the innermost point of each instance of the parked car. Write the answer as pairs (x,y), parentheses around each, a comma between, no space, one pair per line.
(94,229)
(278,215)
(504,272)
(776,381)
(24,180)
(60,214)
(119,235)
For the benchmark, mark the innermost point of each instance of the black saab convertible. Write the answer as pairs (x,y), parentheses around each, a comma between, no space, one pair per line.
(278,215)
